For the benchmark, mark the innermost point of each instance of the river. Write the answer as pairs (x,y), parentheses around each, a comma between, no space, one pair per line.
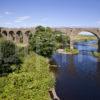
(78,76)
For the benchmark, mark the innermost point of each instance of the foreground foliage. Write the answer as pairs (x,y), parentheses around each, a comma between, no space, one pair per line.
(31,82)
(8,56)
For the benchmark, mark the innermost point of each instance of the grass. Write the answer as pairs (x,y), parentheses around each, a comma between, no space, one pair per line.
(31,82)
(71,51)
(84,38)
(96,54)
(21,45)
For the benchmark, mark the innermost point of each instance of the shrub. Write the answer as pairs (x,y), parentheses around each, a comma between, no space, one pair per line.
(8,56)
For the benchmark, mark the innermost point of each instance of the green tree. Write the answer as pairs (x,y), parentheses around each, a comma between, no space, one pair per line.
(43,41)
(40,29)
(8,56)
(48,29)
(62,39)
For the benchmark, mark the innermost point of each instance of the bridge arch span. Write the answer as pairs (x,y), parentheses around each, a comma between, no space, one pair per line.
(92,32)
(26,37)
(75,32)
(19,37)
(12,35)
(27,32)
(4,34)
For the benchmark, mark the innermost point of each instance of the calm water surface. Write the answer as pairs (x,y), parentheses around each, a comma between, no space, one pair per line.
(78,76)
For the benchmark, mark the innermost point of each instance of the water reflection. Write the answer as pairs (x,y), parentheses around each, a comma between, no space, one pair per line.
(78,76)
(98,73)
(71,70)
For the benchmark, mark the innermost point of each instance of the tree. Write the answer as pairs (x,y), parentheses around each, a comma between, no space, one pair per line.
(43,41)
(8,56)
(62,39)
(40,29)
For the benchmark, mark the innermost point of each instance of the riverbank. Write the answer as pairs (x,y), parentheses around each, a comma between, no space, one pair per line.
(81,38)
(95,54)
(68,51)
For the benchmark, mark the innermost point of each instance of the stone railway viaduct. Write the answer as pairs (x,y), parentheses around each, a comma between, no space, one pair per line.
(16,35)
(22,34)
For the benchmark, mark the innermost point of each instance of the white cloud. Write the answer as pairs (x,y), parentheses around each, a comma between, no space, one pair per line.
(21,19)
(8,13)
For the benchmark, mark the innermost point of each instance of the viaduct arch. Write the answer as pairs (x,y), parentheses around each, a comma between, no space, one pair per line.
(22,34)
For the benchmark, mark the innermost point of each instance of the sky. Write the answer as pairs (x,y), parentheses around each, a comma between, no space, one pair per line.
(53,13)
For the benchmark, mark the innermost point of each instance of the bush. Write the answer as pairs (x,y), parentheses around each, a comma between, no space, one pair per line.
(31,83)
(8,56)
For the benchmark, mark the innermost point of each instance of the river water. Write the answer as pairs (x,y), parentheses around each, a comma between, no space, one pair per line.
(78,76)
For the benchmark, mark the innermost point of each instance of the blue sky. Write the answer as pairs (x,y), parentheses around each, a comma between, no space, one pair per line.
(29,13)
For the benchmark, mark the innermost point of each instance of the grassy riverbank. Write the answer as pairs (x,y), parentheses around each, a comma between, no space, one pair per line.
(31,82)
(84,38)
(95,54)
(71,51)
